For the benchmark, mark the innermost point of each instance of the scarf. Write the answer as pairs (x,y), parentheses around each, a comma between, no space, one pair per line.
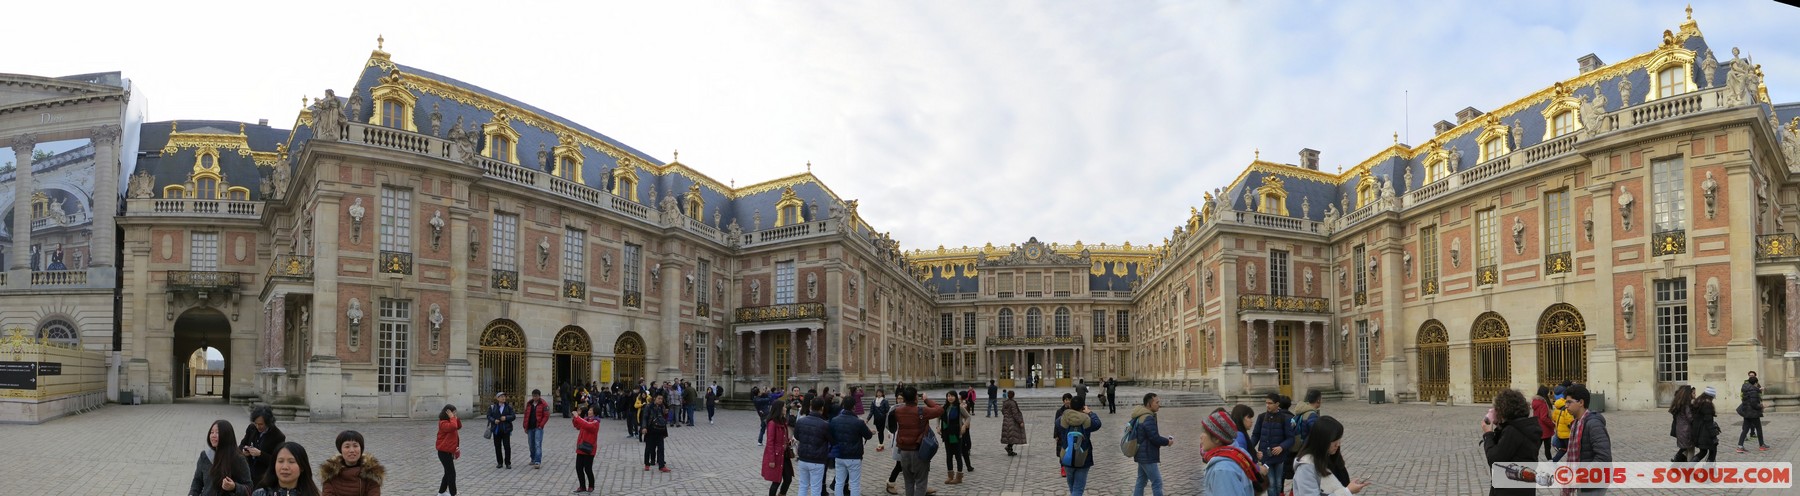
(1243,463)
(1575,446)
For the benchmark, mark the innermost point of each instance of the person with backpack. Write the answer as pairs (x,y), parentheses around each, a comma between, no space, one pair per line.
(1057,430)
(1705,427)
(1751,409)
(1306,414)
(913,423)
(1681,417)
(1564,421)
(1078,422)
(1274,440)
(1012,423)
(1229,470)
(1143,443)
(812,440)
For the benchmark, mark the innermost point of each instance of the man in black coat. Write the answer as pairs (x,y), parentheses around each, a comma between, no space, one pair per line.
(1112,395)
(261,439)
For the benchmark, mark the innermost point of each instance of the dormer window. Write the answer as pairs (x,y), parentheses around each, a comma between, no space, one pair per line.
(206,188)
(1272,196)
(393,103)
(1563,123)
(391,114)
(174,191)
(1670,68)
(1671,81)
(787,210)
(1562,116)
(1435,170)
(502,141)
(568,159)
(206,162)
(696,205)
(238,193)
(499,147)
(1492,149)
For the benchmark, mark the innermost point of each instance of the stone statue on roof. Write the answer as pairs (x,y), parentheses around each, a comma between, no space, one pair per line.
(1740,85)
(328,115)
(437,119)
(142,185)
(544,158)
(1592,109)
(1708,67)
(356,106)
(281,177)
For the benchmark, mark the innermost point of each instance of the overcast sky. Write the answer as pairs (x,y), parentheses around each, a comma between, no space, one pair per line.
(955,123)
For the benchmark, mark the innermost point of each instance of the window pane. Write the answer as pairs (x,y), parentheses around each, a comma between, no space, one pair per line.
(204,252)
(1668,199)
(574,254)
(396,219)
(784,282)
(506,242)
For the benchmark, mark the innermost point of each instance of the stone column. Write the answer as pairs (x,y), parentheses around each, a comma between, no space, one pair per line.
(106,194)
(669,310)
(1269,346)
(1250,349)
(1306,341)
(23,187)
(324,376)
(1793,316)
(459,375)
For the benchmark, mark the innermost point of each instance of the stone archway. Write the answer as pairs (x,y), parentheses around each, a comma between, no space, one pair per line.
(502,361)
(572,351)
(1562,346)
(628,353)
(1434,361)
(196,329)
(1491,360)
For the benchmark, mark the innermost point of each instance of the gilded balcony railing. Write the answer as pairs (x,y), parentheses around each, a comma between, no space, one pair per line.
(574,290)
(203,280)
(634,299)
(396,262)
(779,313)
(1672,242)
(295,267)
(504,280)
(1299,304)
(1035,341)
(1772,246)
(1558,263)
(1487,274)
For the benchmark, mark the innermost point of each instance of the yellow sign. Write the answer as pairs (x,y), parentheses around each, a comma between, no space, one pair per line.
(606,371)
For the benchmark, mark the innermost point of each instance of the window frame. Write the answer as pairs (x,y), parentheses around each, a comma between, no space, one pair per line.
(203,251)
(1279,278)
(1559,235)
(574,254)
(1673,328)
(396,219)
(785,271)
(1005,318)
(394,346)
(1668,195)
(503,251)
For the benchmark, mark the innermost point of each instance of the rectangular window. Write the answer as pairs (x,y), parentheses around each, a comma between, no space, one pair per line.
(1361,268)
(1558,228)
(390,114)
(1099,326)
(1428,258)
(948,362)
(634,273)
(1667,196)
(700,361)
(1005,282)
(1563,123)
(1671,81)
(1362,352)
(574,254)
(1061,283)
(1671,330)
(1122,320)
(204,254)
(506,242)
(968,327)
(1034,282)
(1278,272)
(395,357)
(396,219)
(1492,149)
(946,328)
(1486,231)
(784,282)
(969,363)
(701,297)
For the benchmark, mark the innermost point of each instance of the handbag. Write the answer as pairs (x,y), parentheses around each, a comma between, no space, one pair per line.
(928,442)
(488,434)
(584,448)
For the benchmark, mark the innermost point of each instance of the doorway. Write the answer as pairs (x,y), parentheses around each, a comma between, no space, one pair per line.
(572,350)
(1284,358)
(202,333)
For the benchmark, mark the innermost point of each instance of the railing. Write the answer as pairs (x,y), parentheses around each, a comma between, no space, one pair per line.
(1773,246)
(791,232)
(1487,274)
(194,208)
(60,221)
(1258,219)
(1550,149)
(780,313)
(576,190)
(396,262)
(1672,107)
(1558,263)
(633,299)
(387,137)
(291,267)
(1518,160)
(508,172)
(1124,337)
(627,207)
(504,279)
(201,280)
(574,290)
(1672,242)
(699,227)
(1367,210)
(1298,304)
(58,277)
(1035,341)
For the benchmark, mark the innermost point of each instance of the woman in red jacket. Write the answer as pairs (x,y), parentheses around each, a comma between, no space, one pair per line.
(1540,408)
(587,428)
(448,448)
(778,464)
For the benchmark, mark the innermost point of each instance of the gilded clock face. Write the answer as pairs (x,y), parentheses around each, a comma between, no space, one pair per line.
(1033,252)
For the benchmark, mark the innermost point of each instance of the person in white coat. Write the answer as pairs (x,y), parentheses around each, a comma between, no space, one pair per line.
(1320,468)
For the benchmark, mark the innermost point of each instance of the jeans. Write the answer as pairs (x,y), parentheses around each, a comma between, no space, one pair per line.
(503,449)
(849,477)
(690,414)
(653,451)
(917,472)
(1148,473)
(535,439)
(1078,480)
(1752,425)
(1277,474)
(811,476)
(711,409)
(584,471)
(448,484)
(993,407)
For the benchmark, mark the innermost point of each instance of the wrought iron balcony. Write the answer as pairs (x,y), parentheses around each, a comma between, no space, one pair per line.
(1272,303)
(504,279)
(779,313)
(1429,286)
(204,280)
(1773,246)
(634,299)
(574,290)
(1362,298)
(1035,341)
(294,267)
(396,262)
(1672,242)
(1487,274)
(704,309)
(1558,263)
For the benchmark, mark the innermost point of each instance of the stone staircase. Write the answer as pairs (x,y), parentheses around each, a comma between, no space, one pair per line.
(1050,402)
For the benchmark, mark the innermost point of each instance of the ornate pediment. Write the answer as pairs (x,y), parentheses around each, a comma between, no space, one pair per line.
(1033,252)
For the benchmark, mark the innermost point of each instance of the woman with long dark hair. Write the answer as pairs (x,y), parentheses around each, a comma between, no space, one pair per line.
(221,471)
(1320,468)
(778,456)
(290,473)
(952,427)
(1681,419)
(449,448)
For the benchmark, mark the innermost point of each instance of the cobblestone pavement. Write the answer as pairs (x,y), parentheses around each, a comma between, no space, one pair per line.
(1405,449)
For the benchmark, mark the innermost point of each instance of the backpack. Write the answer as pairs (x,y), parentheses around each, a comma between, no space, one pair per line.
(1301,425)
(1074,455)
(1128,443)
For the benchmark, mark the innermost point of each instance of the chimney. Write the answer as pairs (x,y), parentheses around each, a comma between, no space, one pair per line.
(1442,127)
(1467,114)
(1309,158)
(1589,62)
(262,122)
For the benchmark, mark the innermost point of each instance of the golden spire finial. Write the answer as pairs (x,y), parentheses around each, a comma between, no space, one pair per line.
(174,126)
(1690,12)
(240,128)
(1259,154)
(1396,138)
(380,41)
(677,155)
(809,167)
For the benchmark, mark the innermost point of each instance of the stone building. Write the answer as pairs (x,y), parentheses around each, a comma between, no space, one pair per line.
(421,241)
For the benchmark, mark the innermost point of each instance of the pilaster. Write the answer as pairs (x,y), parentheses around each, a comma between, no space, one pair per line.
(106,194)
(669,309)
(23,187)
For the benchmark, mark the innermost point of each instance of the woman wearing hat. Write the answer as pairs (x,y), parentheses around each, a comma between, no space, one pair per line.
(1229,470)
(500,418)
(1704,426)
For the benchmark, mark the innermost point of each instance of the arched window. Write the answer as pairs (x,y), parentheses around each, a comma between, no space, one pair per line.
(1006,323)
(59,331)
(174,191)
(1492,149)
(502,140)
(239,193)
(1062,322)
(696,205)
(1034,323)
(568,159)
(787,210)
(391,114)
(394,104)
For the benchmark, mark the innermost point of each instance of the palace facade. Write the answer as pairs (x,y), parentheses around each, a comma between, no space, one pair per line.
(421,241)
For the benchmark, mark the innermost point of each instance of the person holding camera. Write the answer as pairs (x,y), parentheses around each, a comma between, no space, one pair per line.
(260,440)
(587,440)
(1510,435)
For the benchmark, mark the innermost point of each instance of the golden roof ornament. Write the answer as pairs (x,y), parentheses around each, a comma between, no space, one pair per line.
(380,52)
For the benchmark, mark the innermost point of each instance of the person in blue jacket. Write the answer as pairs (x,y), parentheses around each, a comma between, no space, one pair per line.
(1274,440)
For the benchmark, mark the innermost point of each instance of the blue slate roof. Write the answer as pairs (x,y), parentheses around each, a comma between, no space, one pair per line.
(175,168)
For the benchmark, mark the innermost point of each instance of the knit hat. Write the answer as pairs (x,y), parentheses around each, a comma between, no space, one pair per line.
(1710,392)
(1220,425)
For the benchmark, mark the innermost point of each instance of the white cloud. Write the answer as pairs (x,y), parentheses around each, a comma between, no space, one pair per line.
(955,122)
